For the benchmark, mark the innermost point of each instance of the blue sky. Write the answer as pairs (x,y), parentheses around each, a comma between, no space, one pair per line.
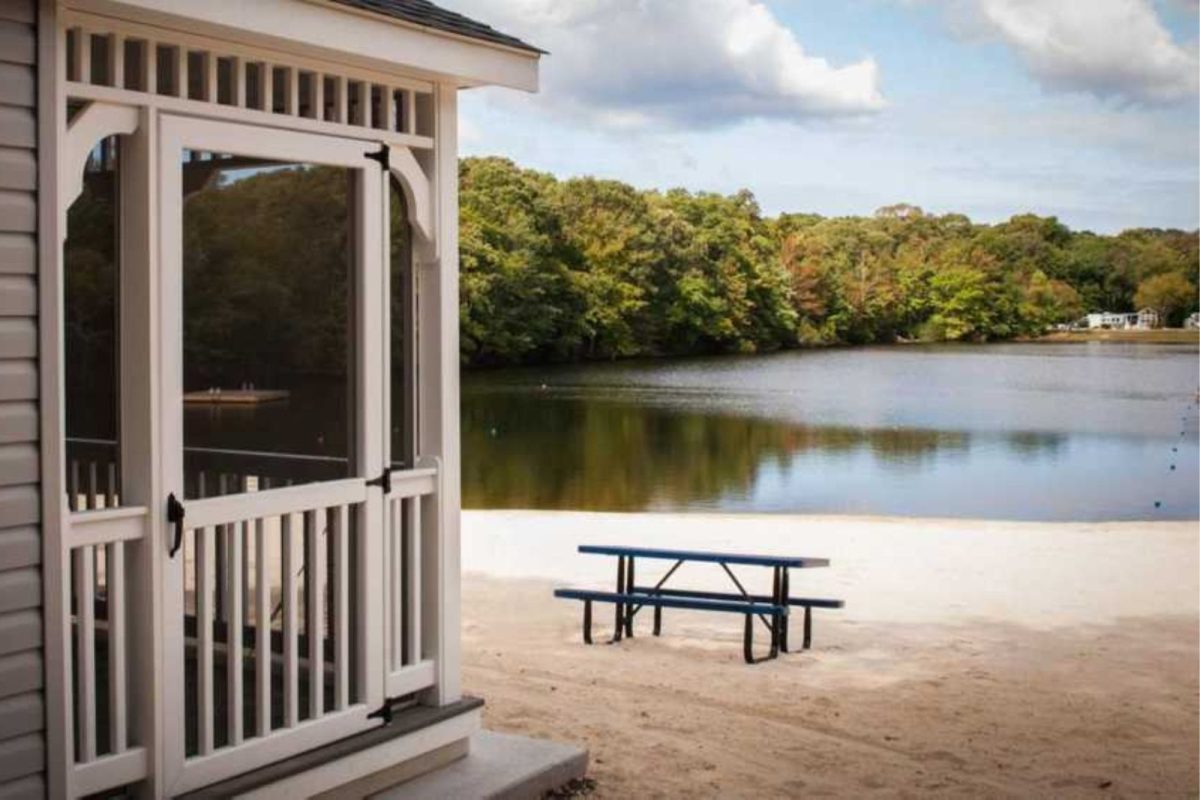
(1082,109)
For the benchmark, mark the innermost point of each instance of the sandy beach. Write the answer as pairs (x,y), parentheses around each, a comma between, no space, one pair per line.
(973,659)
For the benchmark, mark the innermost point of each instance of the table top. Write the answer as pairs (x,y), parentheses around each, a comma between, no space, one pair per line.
(799,562)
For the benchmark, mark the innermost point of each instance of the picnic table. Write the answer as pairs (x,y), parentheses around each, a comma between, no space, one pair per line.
(772,610)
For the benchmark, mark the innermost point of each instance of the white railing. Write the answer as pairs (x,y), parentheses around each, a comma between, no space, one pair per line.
(103,544)
(92,475)
(272,622)
(408,670)
(251,586)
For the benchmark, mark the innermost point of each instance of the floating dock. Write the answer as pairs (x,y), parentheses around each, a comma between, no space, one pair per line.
(237,397)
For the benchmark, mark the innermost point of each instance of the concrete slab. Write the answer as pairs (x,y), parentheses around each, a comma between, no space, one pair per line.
(499,766)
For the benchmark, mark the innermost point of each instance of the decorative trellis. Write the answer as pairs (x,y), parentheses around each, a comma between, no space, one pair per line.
(117,60)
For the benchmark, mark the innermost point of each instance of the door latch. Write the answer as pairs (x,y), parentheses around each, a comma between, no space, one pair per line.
(384,481)
(175,518)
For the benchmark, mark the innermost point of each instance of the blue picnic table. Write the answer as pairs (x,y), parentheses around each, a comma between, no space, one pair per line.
(772,610)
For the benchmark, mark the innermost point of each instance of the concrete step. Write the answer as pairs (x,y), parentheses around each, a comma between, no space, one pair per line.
(499,766)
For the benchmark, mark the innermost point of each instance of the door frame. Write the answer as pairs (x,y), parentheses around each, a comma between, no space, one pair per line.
(177,133)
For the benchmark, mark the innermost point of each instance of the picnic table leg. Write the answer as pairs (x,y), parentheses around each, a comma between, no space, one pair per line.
(785,598)
(777,627)
(776,599)
(629,584)
(807,627)
(658,620)
(587,621)
(619,622)
(748,640)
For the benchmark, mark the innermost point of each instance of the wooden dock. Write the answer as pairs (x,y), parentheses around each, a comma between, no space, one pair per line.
(237,397)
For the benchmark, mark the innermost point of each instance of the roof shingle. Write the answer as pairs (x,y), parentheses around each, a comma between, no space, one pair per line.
(428,15)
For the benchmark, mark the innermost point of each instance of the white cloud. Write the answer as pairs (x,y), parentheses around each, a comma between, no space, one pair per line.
(1109,48)
(685,63)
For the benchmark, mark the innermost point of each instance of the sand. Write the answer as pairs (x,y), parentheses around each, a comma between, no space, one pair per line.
(974,659)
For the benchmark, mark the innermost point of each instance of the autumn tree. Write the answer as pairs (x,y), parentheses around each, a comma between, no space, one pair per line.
(1169,294)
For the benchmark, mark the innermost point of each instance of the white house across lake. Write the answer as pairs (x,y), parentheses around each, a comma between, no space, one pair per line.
(1143,320)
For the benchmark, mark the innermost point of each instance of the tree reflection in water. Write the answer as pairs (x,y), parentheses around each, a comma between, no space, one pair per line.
(526,450)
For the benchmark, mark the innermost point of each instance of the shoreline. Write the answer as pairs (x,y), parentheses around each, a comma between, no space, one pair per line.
(1158,336)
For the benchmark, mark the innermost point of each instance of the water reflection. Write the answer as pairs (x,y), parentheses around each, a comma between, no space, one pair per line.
(522,450)
(1006,432)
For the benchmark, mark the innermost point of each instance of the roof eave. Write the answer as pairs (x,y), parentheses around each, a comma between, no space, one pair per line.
(341,33)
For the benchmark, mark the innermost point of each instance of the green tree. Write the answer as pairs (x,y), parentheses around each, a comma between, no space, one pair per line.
(1169,294)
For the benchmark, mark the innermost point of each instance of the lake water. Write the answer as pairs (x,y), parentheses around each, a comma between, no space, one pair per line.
(1073,431)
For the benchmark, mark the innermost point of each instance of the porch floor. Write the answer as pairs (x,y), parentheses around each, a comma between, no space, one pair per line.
(499,766)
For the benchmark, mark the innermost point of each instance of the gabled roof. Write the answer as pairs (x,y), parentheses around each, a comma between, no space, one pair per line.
(427,15)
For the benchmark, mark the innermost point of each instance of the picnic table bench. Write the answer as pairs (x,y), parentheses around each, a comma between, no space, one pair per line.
(772,610)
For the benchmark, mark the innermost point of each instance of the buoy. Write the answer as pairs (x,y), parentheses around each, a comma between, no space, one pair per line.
(1158,503)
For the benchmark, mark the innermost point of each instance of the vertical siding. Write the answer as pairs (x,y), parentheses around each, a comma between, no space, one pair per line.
(22,714)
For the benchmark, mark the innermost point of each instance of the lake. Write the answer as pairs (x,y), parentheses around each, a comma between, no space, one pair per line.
(1031,431)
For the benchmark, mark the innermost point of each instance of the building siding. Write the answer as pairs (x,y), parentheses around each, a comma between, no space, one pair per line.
(22,711)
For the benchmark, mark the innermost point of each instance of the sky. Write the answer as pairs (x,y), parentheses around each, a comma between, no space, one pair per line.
(1086,110)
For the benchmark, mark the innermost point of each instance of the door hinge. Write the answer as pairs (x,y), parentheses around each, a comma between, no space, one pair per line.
(384,481)
(384,712)
(383,156)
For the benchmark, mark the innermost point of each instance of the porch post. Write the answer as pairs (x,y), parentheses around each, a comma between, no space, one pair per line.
(51,134)
(141,481)
(438,412)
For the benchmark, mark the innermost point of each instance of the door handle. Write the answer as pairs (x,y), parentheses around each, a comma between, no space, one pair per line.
(175,518)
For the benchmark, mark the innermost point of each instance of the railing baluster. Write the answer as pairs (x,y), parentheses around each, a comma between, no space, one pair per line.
(341,607)
(314,572)
(237,78)
(110,495)
(248,615)
(262,629)
(387,108)
(149,67)
(233,631)
(266,77)
(410,112)
(412,569)
(83,59)
(85,655)
(291,673)
(93,490)
(292,81)
(73,486)
(212,79)
(317,91)
(395,573)
(114,578)
(341,101)
(116,61)
(204,636)
(222,558)
(181,72)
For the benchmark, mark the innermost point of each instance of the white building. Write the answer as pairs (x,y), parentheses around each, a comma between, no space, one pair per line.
(258,614)
(1145,319)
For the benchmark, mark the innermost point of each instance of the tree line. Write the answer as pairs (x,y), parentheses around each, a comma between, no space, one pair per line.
(566,270)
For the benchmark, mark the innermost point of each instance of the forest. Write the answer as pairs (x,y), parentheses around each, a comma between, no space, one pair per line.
(567,270)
